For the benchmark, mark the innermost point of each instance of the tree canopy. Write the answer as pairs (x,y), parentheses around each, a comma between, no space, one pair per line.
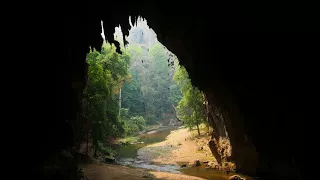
(107,72)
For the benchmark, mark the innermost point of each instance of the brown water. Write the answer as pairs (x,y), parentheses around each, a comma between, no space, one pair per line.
(127,155)
(209,174)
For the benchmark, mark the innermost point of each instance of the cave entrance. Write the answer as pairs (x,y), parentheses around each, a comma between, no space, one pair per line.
(133,98)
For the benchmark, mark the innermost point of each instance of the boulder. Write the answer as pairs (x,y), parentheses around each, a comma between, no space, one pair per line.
(183,165)
(195,163)
(109,159)
(236,177)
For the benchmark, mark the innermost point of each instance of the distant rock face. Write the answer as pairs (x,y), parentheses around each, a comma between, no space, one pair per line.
(174,122)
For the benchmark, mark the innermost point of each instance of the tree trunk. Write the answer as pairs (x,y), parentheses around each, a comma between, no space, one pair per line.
(175,113)
(119,101)
(198,129)
(87,149)
(213,147)
(206,112)
(95,145)
(95,152)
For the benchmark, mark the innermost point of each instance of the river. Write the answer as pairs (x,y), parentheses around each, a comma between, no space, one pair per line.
(128,155)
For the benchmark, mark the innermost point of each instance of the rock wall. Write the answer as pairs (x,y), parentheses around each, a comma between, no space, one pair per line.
(251,78)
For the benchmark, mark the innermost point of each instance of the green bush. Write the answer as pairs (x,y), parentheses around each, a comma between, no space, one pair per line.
(134,125)
(107,150)
(131,124)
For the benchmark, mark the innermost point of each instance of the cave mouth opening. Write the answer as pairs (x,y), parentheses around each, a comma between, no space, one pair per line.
(253,87)
(142,87)
(136,85)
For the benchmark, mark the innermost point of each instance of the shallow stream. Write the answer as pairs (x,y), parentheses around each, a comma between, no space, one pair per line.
(127,155)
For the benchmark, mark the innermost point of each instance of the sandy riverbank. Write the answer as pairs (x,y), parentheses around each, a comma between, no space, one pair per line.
(181,146)
(118,172)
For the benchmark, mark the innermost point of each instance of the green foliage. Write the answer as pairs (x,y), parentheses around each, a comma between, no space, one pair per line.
(190,108)
(107,71)
(108,151)
(132,125)
(124,114)
(132,97)
(152,91)
(139,121)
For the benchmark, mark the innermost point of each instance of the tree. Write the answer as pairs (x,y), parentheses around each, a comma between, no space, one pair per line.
(107,72)
(96,92)
(190,107)
(132,96)
(152,91)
